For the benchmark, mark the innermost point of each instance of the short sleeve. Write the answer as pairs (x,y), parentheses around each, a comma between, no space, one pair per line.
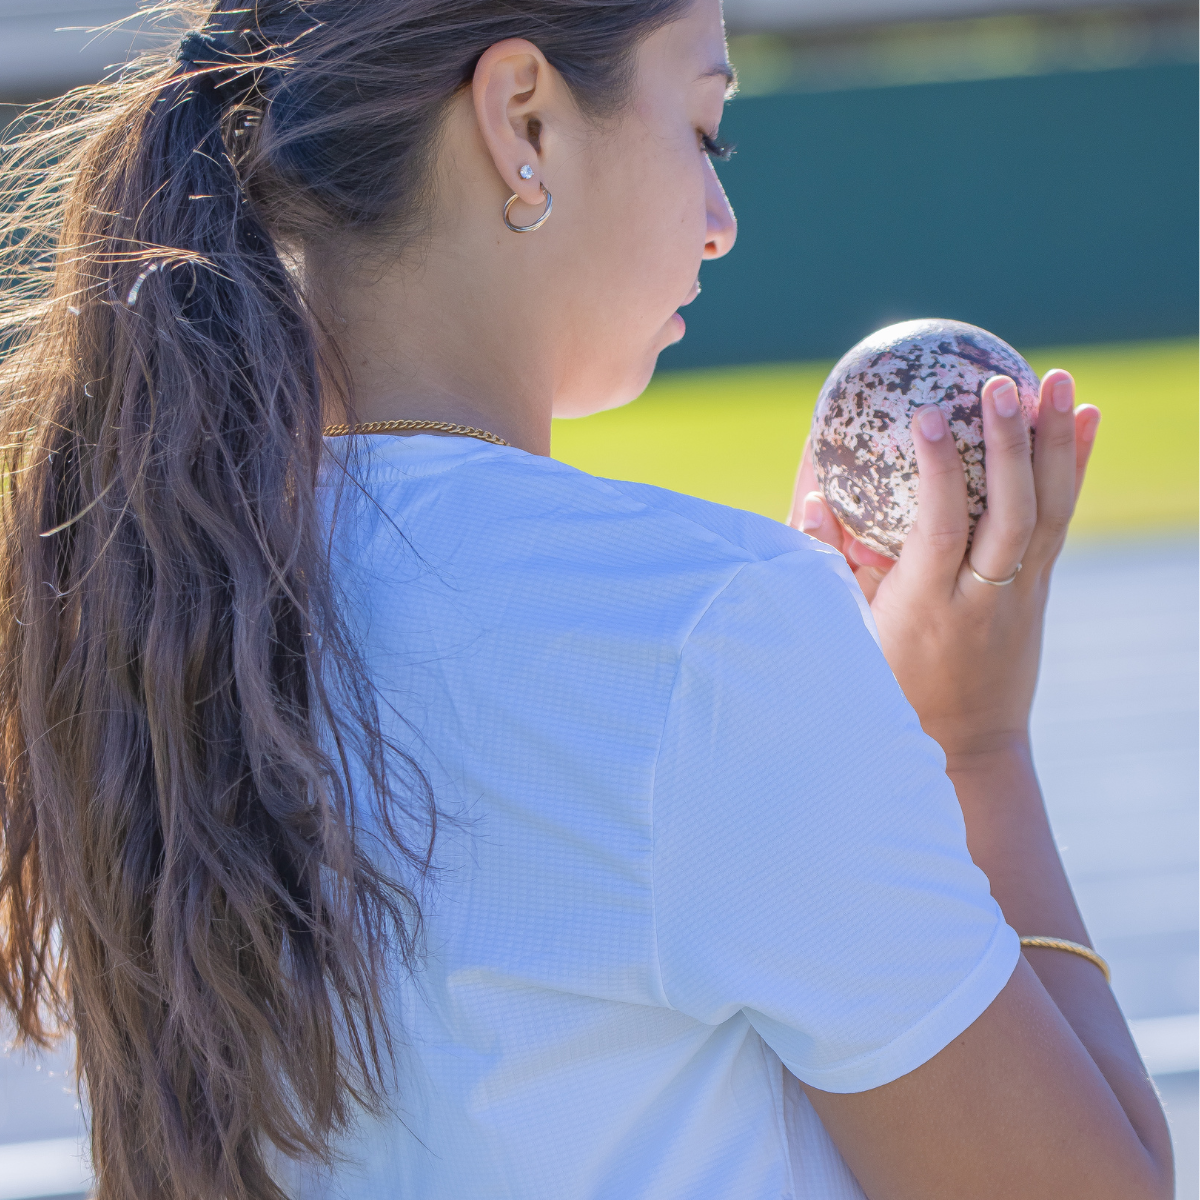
(810,859)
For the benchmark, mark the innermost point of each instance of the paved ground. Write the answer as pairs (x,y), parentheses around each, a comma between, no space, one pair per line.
(1115,735)
(1115,738)
(1115,730)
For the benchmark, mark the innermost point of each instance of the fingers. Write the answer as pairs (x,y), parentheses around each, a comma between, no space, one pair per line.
(1002,540)
(818,521)
(1054,466)
(935,547)
(806,482)
(870,568)
(863,556)
(1087,423)
(869,579)
(811,514)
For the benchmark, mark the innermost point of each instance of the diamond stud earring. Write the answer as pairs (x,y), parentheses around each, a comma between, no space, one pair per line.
(526,172)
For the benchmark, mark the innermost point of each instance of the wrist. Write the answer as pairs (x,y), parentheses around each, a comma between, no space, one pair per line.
(984,753)
(1009,835)
(998,791)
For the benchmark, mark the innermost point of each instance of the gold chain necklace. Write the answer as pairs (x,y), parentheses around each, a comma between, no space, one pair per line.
(397,426)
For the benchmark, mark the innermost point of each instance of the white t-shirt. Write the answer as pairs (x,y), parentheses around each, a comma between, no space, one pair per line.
(698,844)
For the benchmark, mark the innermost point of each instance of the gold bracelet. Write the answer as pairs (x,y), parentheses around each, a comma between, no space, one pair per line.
(1049,943)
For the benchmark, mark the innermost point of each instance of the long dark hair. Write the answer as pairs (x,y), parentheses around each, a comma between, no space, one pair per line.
(182,711)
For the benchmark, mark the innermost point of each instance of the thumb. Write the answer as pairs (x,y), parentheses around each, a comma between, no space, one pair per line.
(806,481)
(816,518)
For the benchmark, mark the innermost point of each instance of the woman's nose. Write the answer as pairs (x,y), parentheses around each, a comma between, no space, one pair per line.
(722,224)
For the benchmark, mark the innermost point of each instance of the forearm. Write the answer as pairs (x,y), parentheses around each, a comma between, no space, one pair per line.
(1009,836)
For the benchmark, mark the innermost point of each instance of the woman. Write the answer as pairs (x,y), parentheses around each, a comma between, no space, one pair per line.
(699,918)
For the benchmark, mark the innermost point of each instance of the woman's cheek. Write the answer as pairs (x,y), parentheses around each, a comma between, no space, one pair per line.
(656,217)
(680,225)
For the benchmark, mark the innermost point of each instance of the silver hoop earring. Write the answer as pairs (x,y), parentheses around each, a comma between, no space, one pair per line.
(536,224)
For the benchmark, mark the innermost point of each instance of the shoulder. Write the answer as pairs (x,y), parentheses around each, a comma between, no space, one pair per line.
(770,561)
(505,511)
(518,483)
(756,536)
(683,525)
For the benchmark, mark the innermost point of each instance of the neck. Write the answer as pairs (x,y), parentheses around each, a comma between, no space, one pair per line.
(408,402)
(421,343)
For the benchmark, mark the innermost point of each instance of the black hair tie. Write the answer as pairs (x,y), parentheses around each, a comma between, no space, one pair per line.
(198,49)
(231,70)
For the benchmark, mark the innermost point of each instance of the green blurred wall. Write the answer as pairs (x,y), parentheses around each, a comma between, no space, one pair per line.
(1049,209)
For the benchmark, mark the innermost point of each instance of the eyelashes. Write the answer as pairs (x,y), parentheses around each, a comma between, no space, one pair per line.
(715,148)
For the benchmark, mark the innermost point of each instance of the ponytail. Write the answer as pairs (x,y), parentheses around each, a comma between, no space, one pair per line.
(187,734)
(179,880)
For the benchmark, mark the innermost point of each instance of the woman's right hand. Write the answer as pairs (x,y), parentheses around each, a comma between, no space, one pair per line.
(966,653)
(1050,1063)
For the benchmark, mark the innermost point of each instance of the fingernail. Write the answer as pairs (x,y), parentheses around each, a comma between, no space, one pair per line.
(812,516)
(1063,395)
(1006,400)
(933,424)
(1091,428)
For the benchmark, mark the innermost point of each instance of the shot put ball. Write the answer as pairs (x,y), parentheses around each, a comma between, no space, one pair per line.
(862,448)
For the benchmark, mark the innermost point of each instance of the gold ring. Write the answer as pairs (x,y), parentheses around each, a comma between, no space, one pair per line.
(993,582)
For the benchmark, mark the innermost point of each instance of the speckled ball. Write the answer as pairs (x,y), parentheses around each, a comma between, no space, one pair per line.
(862,448)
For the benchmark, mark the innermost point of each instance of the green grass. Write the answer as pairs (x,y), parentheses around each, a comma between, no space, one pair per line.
(733,434)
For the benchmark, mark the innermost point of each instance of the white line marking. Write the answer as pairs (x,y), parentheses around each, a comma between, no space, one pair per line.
(1168,1045)
(57,1167)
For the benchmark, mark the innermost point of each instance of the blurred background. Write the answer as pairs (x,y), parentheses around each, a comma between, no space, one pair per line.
(1026,165)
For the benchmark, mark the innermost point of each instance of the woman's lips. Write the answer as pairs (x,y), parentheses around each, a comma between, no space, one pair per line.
(677,318)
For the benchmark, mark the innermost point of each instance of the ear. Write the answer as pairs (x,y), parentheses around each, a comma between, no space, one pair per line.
(512,87)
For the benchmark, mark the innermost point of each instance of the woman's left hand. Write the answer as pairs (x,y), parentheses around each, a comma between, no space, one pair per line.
(966,653)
